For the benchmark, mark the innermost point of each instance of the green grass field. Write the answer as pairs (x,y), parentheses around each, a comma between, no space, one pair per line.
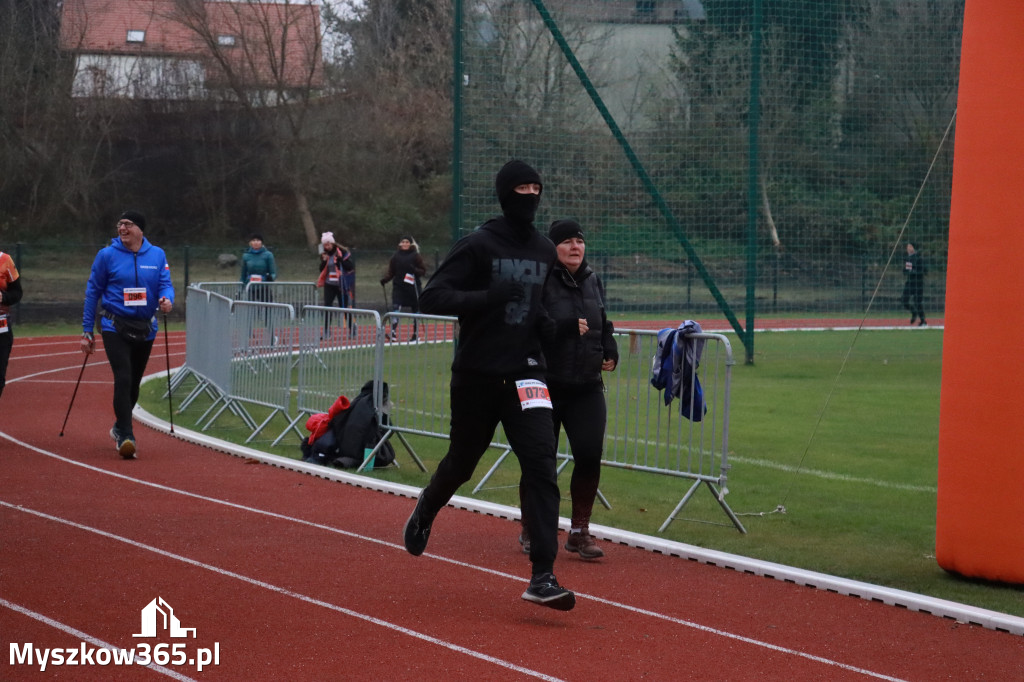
(833,445)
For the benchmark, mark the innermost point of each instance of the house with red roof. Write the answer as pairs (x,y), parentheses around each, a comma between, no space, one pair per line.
(266,51)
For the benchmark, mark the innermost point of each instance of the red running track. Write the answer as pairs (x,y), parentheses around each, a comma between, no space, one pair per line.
(292,577)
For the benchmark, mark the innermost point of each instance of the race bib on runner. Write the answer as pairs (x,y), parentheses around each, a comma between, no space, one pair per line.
(3,324)
(332,278)
(255,278)
(533,393)
(134,296)
(409,279)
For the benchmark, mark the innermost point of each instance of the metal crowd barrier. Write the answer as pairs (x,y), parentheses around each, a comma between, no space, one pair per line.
(644,434)
(337,355)
(322,353)
(207,346)
(296,294)
(239,353)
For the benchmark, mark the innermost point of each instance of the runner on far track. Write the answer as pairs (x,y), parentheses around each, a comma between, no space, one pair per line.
(10,293)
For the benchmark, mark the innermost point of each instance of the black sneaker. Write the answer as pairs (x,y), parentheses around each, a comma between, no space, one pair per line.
(125,444)
(417,530)
(546,591)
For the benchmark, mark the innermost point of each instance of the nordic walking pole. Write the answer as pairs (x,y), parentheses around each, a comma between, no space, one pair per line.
(80,373)
(167,357)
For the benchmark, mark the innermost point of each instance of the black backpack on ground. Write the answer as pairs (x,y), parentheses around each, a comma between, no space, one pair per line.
(349,434)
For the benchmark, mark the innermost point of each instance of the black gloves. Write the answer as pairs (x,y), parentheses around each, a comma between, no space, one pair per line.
(504,291)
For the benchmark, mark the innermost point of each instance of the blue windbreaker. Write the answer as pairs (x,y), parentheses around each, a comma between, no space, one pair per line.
(116,269)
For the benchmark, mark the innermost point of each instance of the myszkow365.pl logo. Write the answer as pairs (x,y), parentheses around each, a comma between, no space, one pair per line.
(157,619)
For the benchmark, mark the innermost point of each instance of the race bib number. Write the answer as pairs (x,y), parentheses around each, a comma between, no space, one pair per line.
(135,296)
(3,324)
(533,393)
(255,278)
(409,279)
(333,278)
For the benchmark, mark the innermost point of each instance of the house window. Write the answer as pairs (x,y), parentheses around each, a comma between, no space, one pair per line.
(136,36)
(226,40)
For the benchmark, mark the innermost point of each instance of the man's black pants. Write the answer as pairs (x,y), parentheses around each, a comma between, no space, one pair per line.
(128,363)
(476,410)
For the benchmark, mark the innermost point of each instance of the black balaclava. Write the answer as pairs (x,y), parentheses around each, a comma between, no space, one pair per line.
(518,208)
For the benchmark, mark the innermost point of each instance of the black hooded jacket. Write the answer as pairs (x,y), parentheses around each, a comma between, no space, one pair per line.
(403,264)
(495,340)
(572,359)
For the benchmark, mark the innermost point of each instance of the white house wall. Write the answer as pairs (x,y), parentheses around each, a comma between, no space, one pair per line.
(138,77)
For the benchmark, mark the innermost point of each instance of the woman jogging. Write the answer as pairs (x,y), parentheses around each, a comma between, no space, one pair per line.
(582,348)
(405,269)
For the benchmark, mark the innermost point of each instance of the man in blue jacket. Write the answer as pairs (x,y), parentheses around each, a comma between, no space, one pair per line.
(129,281)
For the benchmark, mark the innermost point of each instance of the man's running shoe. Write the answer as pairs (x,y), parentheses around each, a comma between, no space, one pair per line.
(125,444)
(417,530)
(546,591)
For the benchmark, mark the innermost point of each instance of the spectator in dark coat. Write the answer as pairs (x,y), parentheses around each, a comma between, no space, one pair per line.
(404,271)
(913,287)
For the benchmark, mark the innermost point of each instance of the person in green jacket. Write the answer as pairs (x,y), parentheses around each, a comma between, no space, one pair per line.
(258,266)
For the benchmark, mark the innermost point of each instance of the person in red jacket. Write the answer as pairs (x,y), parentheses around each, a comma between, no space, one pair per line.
(10,293)
(337,277)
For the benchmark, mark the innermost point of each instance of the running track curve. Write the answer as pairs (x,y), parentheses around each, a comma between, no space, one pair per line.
(294,577)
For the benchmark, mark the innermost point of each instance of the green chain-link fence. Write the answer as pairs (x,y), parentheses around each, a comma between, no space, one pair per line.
(725,157)
(54,275)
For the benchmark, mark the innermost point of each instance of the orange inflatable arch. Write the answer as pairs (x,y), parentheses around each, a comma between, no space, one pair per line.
(980,515)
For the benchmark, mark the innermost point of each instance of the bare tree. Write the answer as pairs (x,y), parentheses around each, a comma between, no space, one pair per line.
(265,60)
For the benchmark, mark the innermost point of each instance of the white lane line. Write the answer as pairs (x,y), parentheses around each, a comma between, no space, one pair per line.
(275,515)
(829,475)
(100,361)
(288,593)
(78,352)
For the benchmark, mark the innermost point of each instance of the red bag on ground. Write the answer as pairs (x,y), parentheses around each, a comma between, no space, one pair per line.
(317,424)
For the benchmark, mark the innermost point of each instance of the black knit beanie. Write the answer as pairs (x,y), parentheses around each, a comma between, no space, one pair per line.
(135,217)
(564,229)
